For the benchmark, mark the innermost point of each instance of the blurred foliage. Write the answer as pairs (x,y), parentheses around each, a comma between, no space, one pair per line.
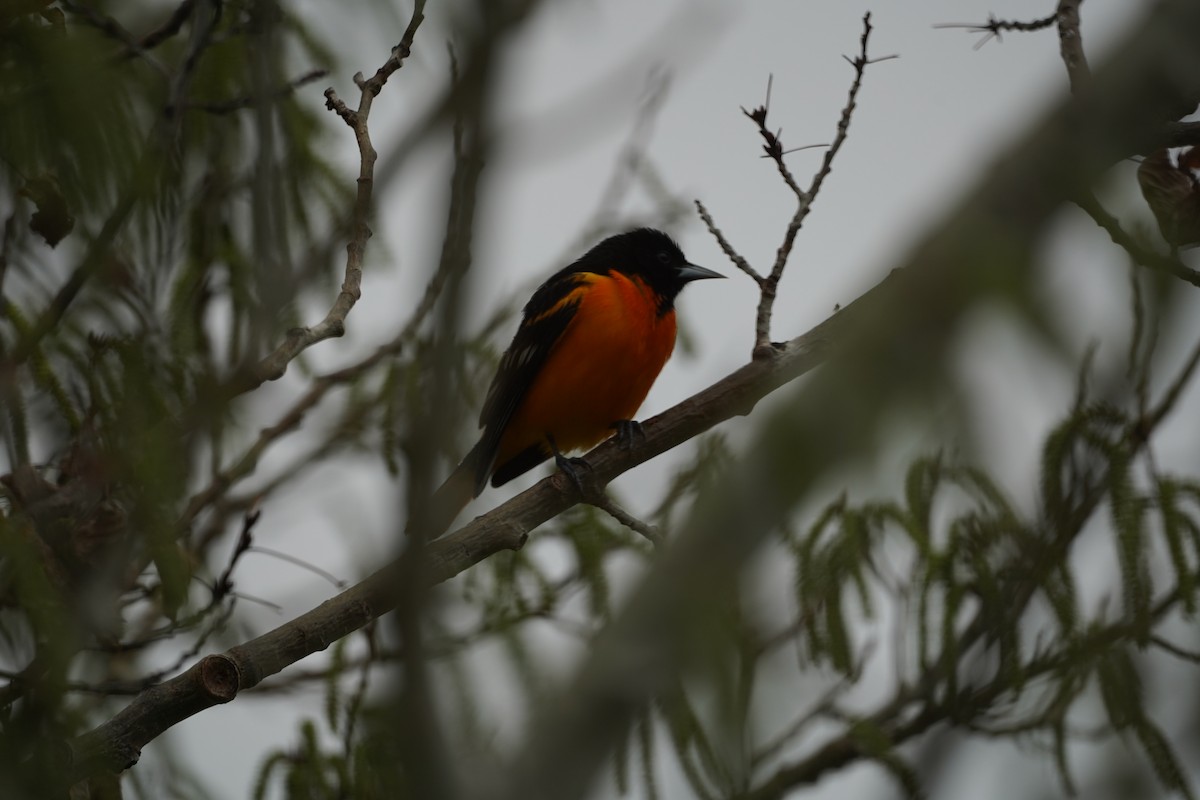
(168,213)
(167,210)
(990,633)
(314,769)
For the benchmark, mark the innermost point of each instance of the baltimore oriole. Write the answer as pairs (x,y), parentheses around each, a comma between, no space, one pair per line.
(592,340)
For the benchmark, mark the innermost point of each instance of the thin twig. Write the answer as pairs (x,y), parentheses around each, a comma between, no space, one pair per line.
(207,15)
(118,33)
(994,27)
(772,141)
(92,263)
(1142,255)
(1171,396)
(773,147)
(249,101)
(1071,44)
(399,53)
(138,685)
(602,501)
(219,590)
(290,420)
(826,705)
(445,645)
(168,29)
(354,706)
(224,582)
(273,366)
(632,160)
(1175,650)
(334,580)
(734,256)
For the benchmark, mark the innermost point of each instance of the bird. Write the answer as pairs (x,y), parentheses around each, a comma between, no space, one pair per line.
(1172,190)
(592,340)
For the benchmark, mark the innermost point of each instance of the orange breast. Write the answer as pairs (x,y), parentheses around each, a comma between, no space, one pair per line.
(599,372)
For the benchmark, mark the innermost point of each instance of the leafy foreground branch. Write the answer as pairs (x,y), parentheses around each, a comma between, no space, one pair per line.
(994,233)
(996,638)
(992,637)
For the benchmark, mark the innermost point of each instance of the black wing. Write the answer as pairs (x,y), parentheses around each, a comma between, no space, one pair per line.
(546,316)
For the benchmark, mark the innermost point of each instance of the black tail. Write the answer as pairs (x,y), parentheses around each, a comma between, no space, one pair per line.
(460,488)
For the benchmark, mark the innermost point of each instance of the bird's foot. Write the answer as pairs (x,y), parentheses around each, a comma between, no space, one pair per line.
(629,432)
(574,468)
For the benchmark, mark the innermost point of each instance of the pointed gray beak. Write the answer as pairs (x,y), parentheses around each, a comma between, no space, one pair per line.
(692,272)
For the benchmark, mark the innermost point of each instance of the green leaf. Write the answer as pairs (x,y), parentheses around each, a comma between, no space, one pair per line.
(1174,522)
(1120,688)
(920,486)
(839,650)
(621,762)
(333,683)
(952,597)
(1162,757)
(692,749)
(174,574)
(877,745)
(1063,766)
(1055,451)
(1059,589)
(976,482)
(645,731)
(46,378)
(274,761)
(1128,513)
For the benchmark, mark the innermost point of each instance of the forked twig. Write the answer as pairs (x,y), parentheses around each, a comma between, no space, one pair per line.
(774,149)
(334,324)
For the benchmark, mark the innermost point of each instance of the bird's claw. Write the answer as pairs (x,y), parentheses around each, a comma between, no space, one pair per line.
(572,468)
(629,432)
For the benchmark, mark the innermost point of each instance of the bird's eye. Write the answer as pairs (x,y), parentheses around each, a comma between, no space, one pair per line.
(663,258)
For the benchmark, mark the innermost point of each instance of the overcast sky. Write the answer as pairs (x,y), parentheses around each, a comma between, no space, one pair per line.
(927,125)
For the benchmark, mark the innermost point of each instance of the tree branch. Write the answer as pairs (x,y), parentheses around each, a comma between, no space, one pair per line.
(273,366)
(249,101)
(115,744)
(1071,44)
(988,243)
(168,29)
(895,337)
(1166,264)
(774,149)
(993,28)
